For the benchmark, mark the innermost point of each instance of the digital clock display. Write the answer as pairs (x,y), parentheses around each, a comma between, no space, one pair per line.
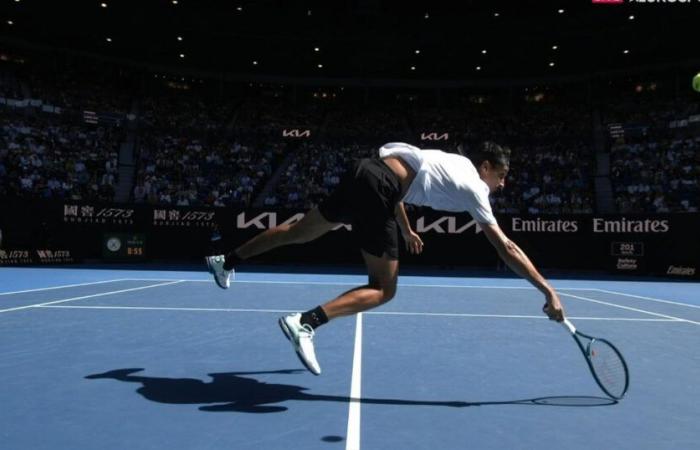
(124,246)
(627,249)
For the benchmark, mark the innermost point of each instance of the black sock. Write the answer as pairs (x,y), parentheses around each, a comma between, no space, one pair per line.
(231,260)
(314,317)
(216,243)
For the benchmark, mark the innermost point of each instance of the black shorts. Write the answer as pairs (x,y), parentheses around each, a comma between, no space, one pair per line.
(366,198)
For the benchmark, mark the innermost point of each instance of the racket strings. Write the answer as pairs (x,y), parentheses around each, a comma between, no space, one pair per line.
(608,366)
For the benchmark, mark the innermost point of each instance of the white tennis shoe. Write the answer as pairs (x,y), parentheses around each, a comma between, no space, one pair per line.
(222,276)
(302,338)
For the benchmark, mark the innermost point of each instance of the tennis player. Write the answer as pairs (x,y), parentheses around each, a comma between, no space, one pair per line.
(371,198)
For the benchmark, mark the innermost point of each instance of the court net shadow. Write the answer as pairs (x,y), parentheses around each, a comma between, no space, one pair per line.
(241,392)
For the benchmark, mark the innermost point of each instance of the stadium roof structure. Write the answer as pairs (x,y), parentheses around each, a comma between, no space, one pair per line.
(373,39)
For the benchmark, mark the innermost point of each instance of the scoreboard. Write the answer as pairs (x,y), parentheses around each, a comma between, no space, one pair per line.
(124,246)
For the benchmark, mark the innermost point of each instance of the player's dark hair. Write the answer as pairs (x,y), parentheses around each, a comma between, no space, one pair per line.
(497,155)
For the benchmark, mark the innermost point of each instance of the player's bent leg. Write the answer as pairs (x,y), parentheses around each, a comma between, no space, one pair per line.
(383,274)
(381,287)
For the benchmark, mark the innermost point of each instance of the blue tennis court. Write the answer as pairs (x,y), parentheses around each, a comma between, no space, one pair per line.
(115,359)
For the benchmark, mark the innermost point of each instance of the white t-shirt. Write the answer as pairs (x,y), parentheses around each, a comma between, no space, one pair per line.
(444,181)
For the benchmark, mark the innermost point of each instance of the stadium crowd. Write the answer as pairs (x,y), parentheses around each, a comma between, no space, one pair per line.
(657,177)
(184,171)
(197,149)
(44,158)
(548,179)
(313,173)
(655,159)
(186,112)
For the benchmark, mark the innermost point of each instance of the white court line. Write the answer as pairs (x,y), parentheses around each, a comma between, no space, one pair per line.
(629,308)
(67,286)
(347,283)
(352,437)
(648,298)
(514,316)
(167,308)
(383,313)
(86,296)
(456,286)
(322,283)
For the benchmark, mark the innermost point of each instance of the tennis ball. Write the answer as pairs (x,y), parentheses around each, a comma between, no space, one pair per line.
(696,82)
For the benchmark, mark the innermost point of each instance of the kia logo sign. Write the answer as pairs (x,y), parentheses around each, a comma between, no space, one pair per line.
(432,136)
(296,133)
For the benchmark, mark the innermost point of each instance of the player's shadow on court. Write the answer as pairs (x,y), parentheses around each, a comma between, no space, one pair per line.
(240,392)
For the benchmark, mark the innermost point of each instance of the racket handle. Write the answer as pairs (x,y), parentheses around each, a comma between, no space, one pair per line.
(568,325)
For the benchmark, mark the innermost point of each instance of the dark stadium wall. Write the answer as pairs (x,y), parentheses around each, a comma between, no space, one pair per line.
(60,232)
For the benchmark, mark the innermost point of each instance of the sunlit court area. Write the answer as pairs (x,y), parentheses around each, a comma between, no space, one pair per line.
(349,225)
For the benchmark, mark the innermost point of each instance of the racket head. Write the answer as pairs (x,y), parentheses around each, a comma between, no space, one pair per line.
(608,366)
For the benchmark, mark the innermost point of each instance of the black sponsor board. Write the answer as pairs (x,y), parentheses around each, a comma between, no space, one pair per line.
(627,249)
(124,246)
(681,271)
(16,257)
(642,244)
(664,245)
(89,214)
(617,243)
(44,256)
(183,217)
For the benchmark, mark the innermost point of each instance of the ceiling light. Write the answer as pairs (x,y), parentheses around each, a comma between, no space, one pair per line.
(496,14)
(9,22)
(179,38)
(631,17)
(109,39)
(413,67)
(320,66)
(104,5)
(561,11)
(625,51)
(239,8)
(483,52)
(427,15)
(182,55)
(316,49)
(255,63)
(478,67)
(555,47)
(551,64)
(174,2)
(417,52)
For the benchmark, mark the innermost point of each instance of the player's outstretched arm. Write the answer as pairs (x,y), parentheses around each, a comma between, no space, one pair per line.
(518,261)
(414,243)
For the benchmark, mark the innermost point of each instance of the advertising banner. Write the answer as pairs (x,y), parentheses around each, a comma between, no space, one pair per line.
(665,245)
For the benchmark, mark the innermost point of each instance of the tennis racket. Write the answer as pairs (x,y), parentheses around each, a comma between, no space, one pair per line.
(607,365)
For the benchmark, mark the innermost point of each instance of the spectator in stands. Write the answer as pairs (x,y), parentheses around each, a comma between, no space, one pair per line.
(656,176)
